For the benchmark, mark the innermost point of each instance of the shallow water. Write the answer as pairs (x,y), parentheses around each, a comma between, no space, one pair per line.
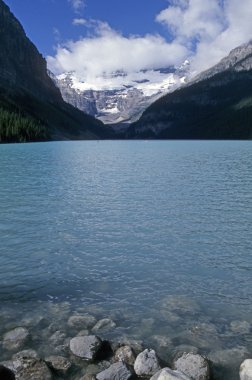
(155,234)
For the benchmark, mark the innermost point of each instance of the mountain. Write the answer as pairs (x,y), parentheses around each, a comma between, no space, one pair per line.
(217,104)
(124,102)
(28,96)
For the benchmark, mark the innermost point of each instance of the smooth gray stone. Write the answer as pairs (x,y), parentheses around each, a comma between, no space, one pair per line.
(147,363)
(117,371)
(193,365)
(246,370)
(85,347)
(169,374)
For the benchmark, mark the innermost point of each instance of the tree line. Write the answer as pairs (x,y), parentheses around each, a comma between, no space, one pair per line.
(17,128)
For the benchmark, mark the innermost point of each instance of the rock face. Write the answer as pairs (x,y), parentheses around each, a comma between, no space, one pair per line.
(169,374)
(26,87)
(147,363)
(117,371)
(120,105)
(246,370)
(194,366)
(216,105)
(15,339)
(85,347)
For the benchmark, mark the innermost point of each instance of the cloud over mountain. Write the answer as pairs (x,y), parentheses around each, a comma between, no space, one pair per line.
(203,31)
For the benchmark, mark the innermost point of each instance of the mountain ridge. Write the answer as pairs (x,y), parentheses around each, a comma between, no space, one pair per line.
(217,104)
(26,88)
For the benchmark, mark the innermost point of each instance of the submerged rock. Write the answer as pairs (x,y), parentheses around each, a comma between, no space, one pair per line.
(30,369)
(169,374)
(15,339)
(117,371)
(246,370)
(57,338)
(104,324)
(85,347)
(194,366)
(126,355)
(25,354)
(59,364)
(240,327)
(147,363)
(81,321)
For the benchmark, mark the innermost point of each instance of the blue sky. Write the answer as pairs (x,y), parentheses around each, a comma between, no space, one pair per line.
(48,22)
(96,38)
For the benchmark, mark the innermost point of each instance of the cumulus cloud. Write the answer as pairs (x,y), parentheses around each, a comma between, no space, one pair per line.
(77,4)
(210,28)
(109,51)
(204,31)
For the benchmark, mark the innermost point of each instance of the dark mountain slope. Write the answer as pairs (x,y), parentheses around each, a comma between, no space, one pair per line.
(217,105)
(26,88)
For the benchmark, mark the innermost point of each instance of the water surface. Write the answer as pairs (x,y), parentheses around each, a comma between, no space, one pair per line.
(155,234)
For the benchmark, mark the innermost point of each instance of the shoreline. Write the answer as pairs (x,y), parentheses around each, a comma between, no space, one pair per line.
(44,344)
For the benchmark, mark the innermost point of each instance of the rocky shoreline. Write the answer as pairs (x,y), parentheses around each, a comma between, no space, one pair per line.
(84,353)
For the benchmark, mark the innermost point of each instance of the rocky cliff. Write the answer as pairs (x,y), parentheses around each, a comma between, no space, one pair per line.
(215,105)
(121,105)
(26,88)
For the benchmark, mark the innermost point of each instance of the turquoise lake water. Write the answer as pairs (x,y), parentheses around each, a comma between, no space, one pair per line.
(156,234)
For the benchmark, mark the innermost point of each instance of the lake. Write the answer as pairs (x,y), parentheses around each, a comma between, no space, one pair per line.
(156,235)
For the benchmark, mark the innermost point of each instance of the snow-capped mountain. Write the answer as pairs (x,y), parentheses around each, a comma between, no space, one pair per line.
(120,98)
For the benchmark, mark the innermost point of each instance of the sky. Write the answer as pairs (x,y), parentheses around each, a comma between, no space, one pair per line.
(96,38)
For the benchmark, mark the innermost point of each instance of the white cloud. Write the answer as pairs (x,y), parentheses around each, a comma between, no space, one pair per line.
(202,30)
(77,4)
(211,27)
(79,21)
(108,51)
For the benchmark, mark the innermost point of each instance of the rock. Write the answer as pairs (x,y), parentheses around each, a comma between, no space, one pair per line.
(93,369)
(15,339)
(6,373)
(86,347)
(117,371)
(180,305)
(193,365)
(246,370)
(136,345)
(104,324)
(126,355)
(169,374)
(182,348)
(59,364)
(25,354)
(240,327)
(228,356)
(147,363)
(83,333)
(162,341)
(81,321)
(57,338)
(31,369)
